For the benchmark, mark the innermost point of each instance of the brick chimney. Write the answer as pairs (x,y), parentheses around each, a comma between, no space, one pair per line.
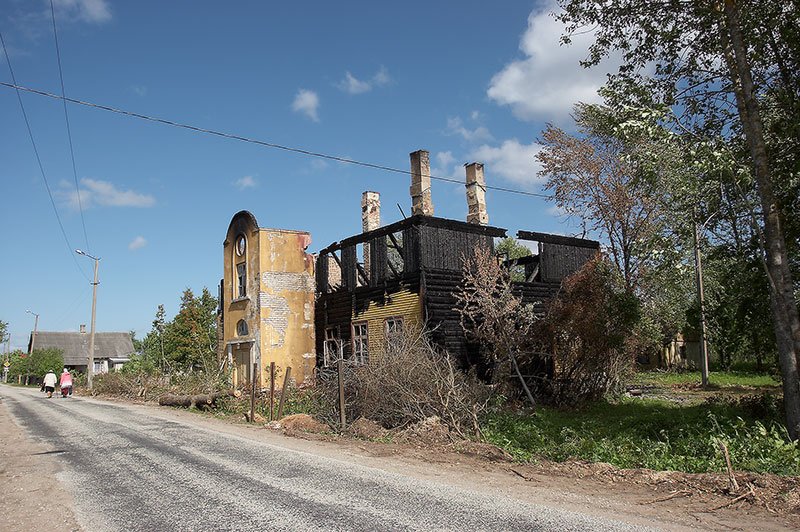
(370,219)
(476,195)
(421,183)
(370,210)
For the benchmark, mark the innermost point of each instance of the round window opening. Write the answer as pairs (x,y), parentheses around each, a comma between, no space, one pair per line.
(241,328)
(241,244)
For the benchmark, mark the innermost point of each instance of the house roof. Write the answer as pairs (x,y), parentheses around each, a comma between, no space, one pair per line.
(75,345)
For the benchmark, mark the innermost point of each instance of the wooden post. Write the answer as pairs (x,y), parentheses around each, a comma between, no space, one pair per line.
(342,418)
(271,389)
(698,267)
(253,393)
(283,391)
(521,379)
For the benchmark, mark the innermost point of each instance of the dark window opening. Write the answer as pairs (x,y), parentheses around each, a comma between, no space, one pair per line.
(241,280)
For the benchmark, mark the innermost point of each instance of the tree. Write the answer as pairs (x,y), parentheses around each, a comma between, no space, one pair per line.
(595,177)
(191,337)
(717,62)
(3,331)
(492,314)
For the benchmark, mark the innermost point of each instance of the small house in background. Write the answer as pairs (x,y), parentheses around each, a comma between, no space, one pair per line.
(266,301)
(372,285)
(111,349)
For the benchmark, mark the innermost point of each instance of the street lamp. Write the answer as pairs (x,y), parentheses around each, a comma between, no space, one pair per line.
(90,366)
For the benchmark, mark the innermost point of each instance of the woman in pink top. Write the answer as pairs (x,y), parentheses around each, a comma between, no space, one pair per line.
(66,383)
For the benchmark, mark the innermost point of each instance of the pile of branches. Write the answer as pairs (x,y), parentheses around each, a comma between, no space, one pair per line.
(406,382)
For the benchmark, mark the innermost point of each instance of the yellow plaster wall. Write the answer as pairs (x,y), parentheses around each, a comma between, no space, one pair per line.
(286,304)
(405,304)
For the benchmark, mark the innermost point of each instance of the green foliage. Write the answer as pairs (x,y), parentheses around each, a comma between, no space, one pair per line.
(189,341)
(36,365)
(650,434)
(3,331)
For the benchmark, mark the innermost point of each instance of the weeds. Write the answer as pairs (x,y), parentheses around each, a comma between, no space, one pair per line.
(649,434)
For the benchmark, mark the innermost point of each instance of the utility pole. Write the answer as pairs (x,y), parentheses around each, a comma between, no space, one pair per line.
(698,268)
(35,328)
(90,366)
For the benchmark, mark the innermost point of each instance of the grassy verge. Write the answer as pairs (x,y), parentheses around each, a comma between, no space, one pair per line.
(654,434)
(720,379)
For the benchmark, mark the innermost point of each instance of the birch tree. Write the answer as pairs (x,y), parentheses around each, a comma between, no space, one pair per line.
(715,62)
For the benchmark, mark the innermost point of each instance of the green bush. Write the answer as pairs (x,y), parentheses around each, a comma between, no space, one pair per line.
(37,364)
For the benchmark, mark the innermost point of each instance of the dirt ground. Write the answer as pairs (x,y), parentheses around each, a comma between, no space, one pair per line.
(672,500)
(33,498)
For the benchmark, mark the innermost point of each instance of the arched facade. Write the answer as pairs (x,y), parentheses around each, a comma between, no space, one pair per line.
(267,301)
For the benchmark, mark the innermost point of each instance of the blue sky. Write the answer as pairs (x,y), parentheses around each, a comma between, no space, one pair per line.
(373,81)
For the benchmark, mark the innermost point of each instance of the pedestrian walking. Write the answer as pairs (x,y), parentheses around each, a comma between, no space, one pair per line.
(50,383)
(66,383)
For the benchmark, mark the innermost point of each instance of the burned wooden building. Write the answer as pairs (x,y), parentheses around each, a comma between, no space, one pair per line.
(372,285)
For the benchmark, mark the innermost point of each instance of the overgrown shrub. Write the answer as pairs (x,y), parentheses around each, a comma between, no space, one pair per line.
(150,383)
(575,348)
(587,329)
(406,382)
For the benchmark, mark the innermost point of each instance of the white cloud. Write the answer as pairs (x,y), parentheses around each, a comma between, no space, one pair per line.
(456,127)
(306,102)
(95,11)
(139,90)
(137,243)
(444,158)
(245,182)
(381,77)
(352,85)
(549,80)
(511,160)
(95,192)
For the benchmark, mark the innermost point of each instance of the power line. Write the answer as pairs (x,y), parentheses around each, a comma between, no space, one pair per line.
(39,161)
(69,131)
(256,141)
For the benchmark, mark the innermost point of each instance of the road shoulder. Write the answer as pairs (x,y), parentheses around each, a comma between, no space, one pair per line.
(34,499)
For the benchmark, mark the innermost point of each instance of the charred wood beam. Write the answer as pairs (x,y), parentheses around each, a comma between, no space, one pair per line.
(391,267)
(547,238)
(362,273)
(396,245)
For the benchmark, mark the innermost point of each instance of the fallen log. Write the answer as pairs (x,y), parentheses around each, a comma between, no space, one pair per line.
(200,401)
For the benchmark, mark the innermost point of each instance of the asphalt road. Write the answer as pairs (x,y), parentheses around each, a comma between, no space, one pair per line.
(128,469)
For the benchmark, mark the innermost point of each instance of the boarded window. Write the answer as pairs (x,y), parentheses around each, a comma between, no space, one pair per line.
(360,343)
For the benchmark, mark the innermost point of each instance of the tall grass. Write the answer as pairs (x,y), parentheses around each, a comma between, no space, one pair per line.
(652,434)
